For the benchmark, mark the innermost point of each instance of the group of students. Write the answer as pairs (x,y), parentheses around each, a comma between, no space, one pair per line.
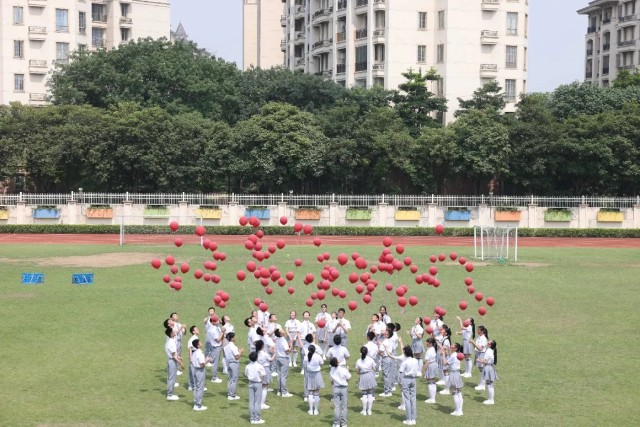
(274,349)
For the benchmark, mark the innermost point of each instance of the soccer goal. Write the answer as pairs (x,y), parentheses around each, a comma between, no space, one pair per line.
(495,243)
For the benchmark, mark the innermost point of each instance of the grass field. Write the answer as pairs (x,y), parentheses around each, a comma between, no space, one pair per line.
(566,323)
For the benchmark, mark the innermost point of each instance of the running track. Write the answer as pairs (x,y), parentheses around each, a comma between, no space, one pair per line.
(113,239)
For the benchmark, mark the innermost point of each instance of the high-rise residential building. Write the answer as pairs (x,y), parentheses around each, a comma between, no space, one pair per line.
(261,33)
(372,42)
(611,43)
(35,34)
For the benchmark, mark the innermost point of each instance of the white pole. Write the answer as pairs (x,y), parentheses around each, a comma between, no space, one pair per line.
(121,230)
(515,257)
(475,244)
(482,243)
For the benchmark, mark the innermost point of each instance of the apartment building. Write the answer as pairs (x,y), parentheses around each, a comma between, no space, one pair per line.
(372,42)
(261,33)
(36,34)
(611,42)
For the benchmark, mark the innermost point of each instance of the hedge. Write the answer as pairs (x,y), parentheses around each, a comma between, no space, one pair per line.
(323,231)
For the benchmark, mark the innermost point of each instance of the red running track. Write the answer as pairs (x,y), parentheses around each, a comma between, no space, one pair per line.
(114,239)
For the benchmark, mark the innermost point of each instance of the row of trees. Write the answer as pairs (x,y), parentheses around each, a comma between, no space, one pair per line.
(156,116)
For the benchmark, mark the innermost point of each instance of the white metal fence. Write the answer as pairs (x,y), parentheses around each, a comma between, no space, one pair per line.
(318,200)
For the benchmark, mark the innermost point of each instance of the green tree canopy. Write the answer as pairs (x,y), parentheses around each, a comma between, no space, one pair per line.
(488,97)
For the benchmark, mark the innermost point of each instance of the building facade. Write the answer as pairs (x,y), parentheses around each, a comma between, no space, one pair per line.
(36,34)
(261,33)
(611,42)
(372,42)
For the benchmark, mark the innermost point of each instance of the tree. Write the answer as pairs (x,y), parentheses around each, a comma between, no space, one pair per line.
(415,103)
(626,78)
(578,99)
(488,97)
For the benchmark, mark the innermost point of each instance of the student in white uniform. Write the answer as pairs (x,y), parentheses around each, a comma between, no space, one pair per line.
(271,329)
(387,362)
(252,336)
(232,355)
(225,327)
(306,328)
(321,333)
(409,371)
(468,333)
(339,351)
(340,379)
(430,369)
(195,332)
(198,361)
(180,330)
(445,347)
(452,364)
(365,367)
(314,379)
(255,374)
(372,348)
(282,363)
(489,372)
(173,360)
(384,317)
(329,330)
(265,360)
(342,328)
(292,327)
(215,337)
(480,345)
(416,332)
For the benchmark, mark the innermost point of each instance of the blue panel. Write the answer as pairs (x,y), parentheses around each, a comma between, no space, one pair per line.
(82,279)
(33,278)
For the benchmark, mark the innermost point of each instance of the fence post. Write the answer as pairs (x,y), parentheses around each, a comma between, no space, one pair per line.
(583,210)
(21,212)
(636,215)
(72,211)
(432,215)
(183,211)
(484,214)
(282,209)
(533,214)
(382,213)
(333,213)
(233,212)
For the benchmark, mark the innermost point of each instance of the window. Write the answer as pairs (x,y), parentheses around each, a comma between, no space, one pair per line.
(124,9)
(525,59)
(512,24)
(361,58)
(526,25)
(124,34)
(62,52)
(98,13)
(524,86)
(422,53)
(440,53)
(18,48)
(82,48)
(440,87)
(18,82)
(441,19)
(18,15)
(97,37)
(378,50)
(510,90)
(62,20)
(82,22)
(512,57)
(422,20)
(605,65)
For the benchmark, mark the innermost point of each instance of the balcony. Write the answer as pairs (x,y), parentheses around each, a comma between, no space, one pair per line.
(606,21)
(361,66)
(61,61)
(378,68)
(342,6)
(126,21)
(627,67)
(322,15)
(283,45)
(589,52)
(38,66)
(99,20)
(488,70)
(605,71)
(490,5)
(378,32)
(361,34)
(341,37)
(321,44)
(37,98)
(361,3)
(588,75)
(99,43)
(606,47)
(37,33)
(37,3)
(283,20)
(627,44)
(591,30)
(627,18)
(299,37)
(299,62)
(300,12)
(488,37)
(379,5)
(341,68)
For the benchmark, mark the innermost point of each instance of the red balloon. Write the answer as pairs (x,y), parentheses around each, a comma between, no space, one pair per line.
(453,256)
(468,281)
(361,263)
(222,304)
(439,229)
(407,261)
(314,296)
(320,258)
(280,244)
(170,260)
(413,301)
(178,279)
(253,238)
(224,296)
(462,260)
(241,275)
(342,294)
(284,220)
(260,234)
(466,323)
(334,273)
(442,257)
(460,356)
(254,222)
(482,311)
(217,299)
(335,292)
(359,288)
(200,230)
(309,302)
(297,227)
(166,278)
(471,289)
(206,277)
(198,274)
(419,279)
(291,290)
(177,286)
(213,246)
(251,266)
(463,305)
(156,263)
(371,287)
(173,225)
(215,278)
(178,242)
(479,296)
(321,323)
(352,305)
(490,301)
(309,277)
(317,241)
(174,269)
(366,298)
(249,245)
(469,267)
(281,282)
(389,287)
(343,259)
(426,320)
(298,262)
(402,301)
(289,275)
(387,241)
(184,267)
(243,220)
(321,295)
(428,330)
(307,229)
(355,256)
(413,269)
(263,307)
(257,302)
(272,249)
(400,291)
(433,258)
(400,249)
(433,270)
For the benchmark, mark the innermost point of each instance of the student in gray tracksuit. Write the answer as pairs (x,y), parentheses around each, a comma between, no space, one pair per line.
(340,379)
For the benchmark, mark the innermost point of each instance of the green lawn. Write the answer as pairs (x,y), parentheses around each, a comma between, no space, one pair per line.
(566,325)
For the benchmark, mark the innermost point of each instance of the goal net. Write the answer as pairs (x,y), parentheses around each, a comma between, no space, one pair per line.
(495,243)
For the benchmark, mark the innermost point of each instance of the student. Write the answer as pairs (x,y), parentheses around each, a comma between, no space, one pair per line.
(480,345)
(339,351)
(416,333)
(445,347)
(384,317)
(409,371)
(198,362)
(430,369)
(271,341)
(306,328)
(468,333)
(214,339)
(252,336)
(308,340)
(255,374)
(180,330)
(173,360)
(387,362)
(372,349)
(342,328)
(282,363)
(365,367)
(489,372)
(340,379)
(292,327)
(195,332)
(265,360)
(452,364)
(321,333)
(376,326)
(207,324)
(331,325)
(225,327)
(314,379)
(232,355)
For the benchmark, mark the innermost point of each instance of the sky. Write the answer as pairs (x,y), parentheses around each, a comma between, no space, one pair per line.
(556,36)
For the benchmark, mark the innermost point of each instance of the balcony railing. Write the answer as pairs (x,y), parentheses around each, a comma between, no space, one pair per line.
(283,45)
(99,18)
(340,37)
(299,35)
(126,20)
(360,3)
(99,43)
(379,4)
(342,4)
(488,69)
(605,71)
(589,52)
(588,75)
(606,47)
(341,68)
(283,20)
(591,30)
(491,5)
(606,21)
(38,66)
(378,66)
(361,66)
(322,43)
(378,32)
(38,30)
(627,67)
(42,97)
(627,43)
(489,34)
(361,33)
(627,18)
(323,12)
(300,10)
(299,62)
(37,3)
